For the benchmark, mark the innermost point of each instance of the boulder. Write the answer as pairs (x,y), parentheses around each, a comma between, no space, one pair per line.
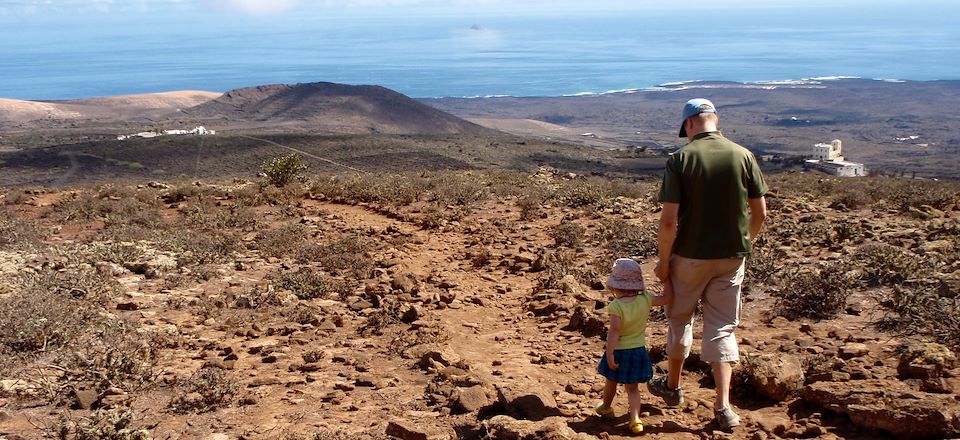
(551,302)
(407,430)
(405,283)
(411,313)
(570,286)
(554,428)
(890,406)
(925,361)
(777,376)
(853,350)
(437,357)
(588,320)
(85,398)
(529,402)
(466,400)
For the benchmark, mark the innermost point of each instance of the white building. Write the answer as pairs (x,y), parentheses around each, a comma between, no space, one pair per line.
(829,152)
(828,158)
(199,131)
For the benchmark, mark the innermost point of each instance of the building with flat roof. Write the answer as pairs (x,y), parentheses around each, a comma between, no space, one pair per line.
(828,158)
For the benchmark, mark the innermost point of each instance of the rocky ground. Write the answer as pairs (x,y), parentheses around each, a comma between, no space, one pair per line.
(465,305)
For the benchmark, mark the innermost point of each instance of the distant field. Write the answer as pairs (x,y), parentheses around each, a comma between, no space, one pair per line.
(868,116)
(236,154)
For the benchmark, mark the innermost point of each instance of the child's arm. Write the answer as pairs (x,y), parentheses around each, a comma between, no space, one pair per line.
(613,337)
(665,297)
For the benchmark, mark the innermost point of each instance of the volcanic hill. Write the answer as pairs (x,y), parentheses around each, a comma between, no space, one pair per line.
(332,107)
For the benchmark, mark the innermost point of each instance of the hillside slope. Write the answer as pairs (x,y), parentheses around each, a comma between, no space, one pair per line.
(118,108)
(332,107)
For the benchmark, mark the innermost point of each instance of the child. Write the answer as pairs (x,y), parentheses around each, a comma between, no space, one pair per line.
(626,360)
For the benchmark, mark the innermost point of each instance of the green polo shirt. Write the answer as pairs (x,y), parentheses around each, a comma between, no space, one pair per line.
(712,179)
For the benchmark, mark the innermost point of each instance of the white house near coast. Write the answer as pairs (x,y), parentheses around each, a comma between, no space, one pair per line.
(199,131)
(828,158)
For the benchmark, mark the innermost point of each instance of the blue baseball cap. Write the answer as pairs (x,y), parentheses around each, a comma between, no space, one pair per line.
(695,107)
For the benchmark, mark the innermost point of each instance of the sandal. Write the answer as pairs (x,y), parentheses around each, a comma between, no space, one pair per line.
(636,426)
(605,412)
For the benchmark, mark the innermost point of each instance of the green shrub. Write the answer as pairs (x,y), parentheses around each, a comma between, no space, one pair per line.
(256,297)
(847,230)
(208,216)
(457,189)
(346,254)
(567,234)
(921,310)
(37,320)
(80,207)
(851,199)
(310,284)
(312,356)
(432,218)
(16,197)
(208,389)
(199,248)
(397,190)
(282,170)
(917,194)
(281,241)
(101,425)
(584,193)
(121,253)
(818,294)
(531,201)
(116,356)
(390,312)
(885,264)
(765,263)
(556,266)
(181,193)
(18,233)
(622,238)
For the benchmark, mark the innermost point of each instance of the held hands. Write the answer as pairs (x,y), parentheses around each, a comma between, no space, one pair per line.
(666,296)
(662,270)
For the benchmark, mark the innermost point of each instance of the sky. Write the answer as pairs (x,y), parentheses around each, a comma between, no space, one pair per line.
(38,9)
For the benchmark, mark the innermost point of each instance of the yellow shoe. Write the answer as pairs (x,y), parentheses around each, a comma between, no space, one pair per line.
(636,426)
(604,411)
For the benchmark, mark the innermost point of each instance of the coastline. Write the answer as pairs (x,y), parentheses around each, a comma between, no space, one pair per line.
(674,86)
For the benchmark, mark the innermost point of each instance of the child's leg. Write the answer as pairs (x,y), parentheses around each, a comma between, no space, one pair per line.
(609,392)
(633,398)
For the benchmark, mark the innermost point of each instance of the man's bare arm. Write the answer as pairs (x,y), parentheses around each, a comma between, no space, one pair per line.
(665,238)
(758,213)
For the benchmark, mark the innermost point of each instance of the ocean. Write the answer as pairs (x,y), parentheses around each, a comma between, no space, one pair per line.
(479,54)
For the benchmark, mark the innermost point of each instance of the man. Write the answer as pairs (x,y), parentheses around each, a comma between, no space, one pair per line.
(713,208)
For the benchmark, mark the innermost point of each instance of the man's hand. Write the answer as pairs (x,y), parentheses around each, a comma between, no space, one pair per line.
(662,271)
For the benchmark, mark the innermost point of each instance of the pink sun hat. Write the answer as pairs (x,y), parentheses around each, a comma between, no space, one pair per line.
(626,274)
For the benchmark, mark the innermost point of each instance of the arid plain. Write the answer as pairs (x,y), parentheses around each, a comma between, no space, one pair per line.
(436,271)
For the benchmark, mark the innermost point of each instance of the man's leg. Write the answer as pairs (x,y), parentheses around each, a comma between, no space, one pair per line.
(721,316)
(674,371)
(722,372)
(689,281)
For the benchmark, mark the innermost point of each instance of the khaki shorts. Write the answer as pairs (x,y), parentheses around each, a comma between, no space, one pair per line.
(717,283)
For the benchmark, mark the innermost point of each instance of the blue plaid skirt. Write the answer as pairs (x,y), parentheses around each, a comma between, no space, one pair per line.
(634,366)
